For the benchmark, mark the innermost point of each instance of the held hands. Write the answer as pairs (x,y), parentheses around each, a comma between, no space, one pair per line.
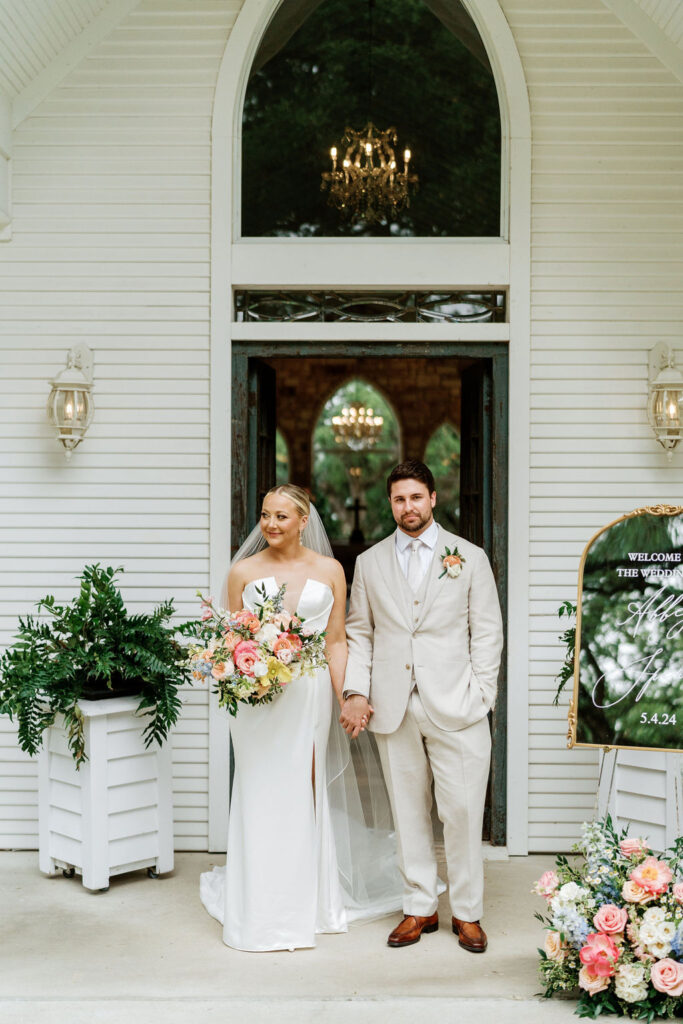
(355,715)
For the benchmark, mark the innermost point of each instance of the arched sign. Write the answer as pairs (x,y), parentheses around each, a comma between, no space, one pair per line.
(628,669)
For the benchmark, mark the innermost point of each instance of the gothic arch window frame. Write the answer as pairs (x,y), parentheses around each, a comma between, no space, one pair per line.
(383,264)
(348,379)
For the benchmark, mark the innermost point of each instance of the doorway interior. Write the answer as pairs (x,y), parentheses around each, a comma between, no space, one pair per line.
(283,392)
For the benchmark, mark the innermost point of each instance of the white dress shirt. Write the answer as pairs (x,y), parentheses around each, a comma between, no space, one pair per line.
(425,551)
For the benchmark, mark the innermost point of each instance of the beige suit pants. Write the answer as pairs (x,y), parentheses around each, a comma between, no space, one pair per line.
(459,764)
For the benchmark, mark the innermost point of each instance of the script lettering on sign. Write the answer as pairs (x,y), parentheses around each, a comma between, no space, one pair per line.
(628,686)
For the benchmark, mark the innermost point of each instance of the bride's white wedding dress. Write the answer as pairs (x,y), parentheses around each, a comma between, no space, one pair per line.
(283,881)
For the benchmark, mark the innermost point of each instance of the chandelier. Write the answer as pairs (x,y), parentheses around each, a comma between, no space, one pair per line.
(357,427)
(368,185)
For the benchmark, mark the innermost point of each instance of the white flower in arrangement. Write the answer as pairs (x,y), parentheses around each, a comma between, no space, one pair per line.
(260,669)
(569,893)
(630,983)
(267,634)
(655,933)
(653,915)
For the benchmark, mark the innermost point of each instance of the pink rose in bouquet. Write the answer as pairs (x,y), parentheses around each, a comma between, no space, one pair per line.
(633,847)
(285,655)
(599,955)
(546,885)
(592,983)
(678,892)
(248,620)
(653,875)
(634,893)
(231,640)
(667,976)
(287,642)
(246,656)
(610,919)
(222,669)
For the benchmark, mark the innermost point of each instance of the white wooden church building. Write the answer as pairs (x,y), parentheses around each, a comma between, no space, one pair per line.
(120,196)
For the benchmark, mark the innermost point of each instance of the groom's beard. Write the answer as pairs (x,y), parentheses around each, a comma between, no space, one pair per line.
(414,525)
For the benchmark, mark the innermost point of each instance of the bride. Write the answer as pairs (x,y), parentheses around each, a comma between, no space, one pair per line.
(306,854)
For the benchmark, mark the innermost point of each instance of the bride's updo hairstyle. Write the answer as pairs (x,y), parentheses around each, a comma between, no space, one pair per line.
(297,495)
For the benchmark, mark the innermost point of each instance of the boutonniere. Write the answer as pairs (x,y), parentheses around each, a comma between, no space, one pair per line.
(452,563)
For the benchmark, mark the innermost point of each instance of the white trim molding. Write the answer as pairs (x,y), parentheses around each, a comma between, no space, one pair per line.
(375,263)
(5,166)
(648,31)
(73,53)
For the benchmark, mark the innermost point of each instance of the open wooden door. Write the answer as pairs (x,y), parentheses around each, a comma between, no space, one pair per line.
(254,421)
(476,523)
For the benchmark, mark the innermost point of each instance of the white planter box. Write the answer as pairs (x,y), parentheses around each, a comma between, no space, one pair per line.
(115,813)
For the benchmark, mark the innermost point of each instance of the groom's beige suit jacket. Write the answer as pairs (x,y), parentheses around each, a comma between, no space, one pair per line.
(447,639)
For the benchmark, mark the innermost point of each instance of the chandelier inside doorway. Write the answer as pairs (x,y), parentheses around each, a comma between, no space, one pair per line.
(367,183)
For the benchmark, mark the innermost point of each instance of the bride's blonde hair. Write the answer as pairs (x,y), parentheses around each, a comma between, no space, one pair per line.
(297,495)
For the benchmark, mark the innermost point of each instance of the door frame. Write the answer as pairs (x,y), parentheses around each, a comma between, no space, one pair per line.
(497,353)
(385,264)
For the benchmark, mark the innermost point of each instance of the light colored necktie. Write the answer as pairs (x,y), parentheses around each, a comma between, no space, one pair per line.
(414,568)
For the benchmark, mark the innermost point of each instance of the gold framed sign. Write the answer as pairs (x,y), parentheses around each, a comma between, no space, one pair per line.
(628,665)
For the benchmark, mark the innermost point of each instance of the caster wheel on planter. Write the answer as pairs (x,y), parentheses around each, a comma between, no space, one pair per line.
(68,872)
(151,873)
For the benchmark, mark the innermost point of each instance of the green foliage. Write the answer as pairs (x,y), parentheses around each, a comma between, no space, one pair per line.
(91,642)
(568,638)
(442,455)
(422,80)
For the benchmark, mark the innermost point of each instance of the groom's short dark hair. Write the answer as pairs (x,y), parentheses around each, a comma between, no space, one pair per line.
(411,469)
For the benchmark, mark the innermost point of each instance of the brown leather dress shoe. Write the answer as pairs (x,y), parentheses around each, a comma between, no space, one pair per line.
(410,929)
(471,935)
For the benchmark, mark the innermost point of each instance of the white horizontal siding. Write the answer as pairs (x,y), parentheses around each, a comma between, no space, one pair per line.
(111,247)
(607,277)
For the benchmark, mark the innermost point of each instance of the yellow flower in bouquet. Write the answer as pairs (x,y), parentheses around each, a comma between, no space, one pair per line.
(278,670)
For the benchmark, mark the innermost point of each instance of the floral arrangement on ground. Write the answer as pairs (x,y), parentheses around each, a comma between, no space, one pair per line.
(251,656)
(614,926)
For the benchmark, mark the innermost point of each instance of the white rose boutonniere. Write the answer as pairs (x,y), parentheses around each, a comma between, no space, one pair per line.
(452,563)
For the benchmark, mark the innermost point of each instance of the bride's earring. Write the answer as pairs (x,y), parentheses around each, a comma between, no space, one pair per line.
(301,537)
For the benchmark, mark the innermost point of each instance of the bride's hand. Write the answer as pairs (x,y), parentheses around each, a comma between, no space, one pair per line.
(355,714)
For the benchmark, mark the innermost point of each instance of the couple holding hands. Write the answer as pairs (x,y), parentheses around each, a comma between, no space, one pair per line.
(311,844)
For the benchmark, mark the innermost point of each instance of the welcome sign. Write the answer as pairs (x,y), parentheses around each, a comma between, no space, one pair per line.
(628,670)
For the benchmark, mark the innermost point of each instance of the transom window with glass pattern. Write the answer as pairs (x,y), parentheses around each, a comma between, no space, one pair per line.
(365,307)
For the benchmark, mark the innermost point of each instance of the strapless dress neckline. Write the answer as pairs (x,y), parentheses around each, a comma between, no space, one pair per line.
(309,579)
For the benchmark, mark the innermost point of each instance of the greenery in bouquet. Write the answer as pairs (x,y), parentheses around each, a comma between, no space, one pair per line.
(250,657)
(614,926)
(90,644)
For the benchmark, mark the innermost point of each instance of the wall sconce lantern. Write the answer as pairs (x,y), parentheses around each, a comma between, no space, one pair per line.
(665,399)
(70,405)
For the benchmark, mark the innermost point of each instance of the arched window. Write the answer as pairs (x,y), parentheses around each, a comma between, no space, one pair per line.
(349,479)
(281,458)
(416,65)
(442,455)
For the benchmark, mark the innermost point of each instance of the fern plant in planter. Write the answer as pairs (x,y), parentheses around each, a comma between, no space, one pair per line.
(89,649)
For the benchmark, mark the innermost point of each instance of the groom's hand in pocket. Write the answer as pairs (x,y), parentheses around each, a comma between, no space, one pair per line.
(355,714)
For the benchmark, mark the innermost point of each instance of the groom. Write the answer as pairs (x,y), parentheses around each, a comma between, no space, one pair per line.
(425,638)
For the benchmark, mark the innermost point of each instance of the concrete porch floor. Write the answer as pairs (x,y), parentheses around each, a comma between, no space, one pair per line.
(146,952)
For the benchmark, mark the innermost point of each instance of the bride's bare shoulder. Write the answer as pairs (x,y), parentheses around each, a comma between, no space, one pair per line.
(245,569)
(328,570)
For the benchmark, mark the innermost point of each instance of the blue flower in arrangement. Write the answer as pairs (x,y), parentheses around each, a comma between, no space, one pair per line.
(677,944)
(572,924)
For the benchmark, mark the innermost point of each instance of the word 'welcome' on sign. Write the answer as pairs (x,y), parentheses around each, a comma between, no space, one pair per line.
(628,670)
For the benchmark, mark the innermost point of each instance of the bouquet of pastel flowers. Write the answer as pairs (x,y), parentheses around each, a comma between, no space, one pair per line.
(251,656)
(614,926)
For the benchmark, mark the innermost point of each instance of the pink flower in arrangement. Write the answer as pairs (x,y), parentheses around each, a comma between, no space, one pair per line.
(645,958)
(546,885)
(284,655)
(653,875)
(206,614)
(667,976)
(231,640)
(599,955)
(678,892)
(610,919)
(287,642)
(284,619)
(295,622)
(246,656)
(248,620)
(221,669)
(633,847)
(634,893)
(592,983)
